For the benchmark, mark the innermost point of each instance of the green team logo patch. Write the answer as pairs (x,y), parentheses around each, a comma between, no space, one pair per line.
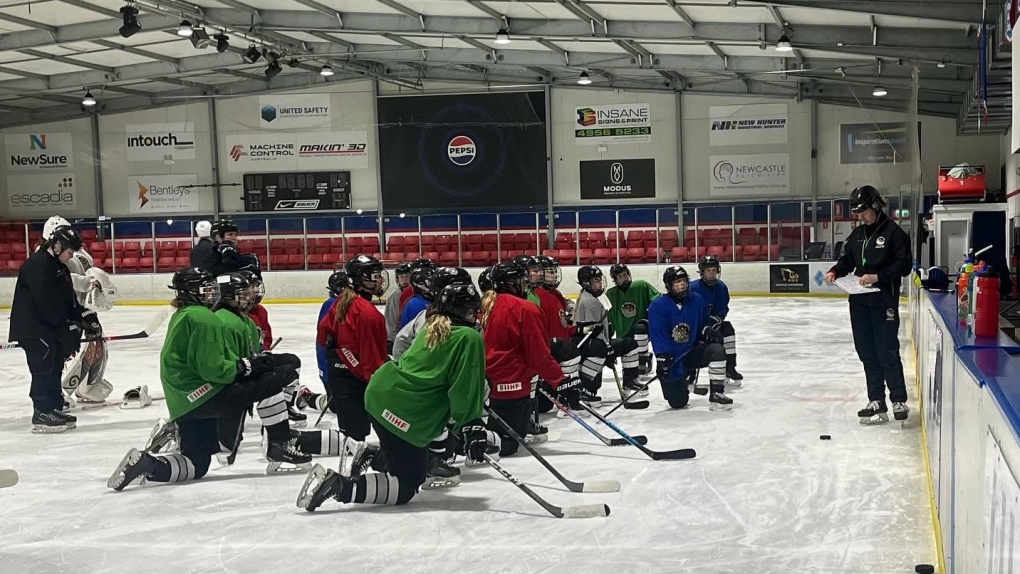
(629,310)
(682,333)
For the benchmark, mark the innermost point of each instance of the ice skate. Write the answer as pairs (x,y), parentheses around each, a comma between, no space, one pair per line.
(136,398)
(297,418)
(631,385)
(356,457)
(440,474)
(70,420)
(305,398)
(537,432)
(284,457)
(591,399)
(875,413)
(48,423)
(163,437)
(900,412)
(320,485)
(134,465)
(733,375)
(718,401)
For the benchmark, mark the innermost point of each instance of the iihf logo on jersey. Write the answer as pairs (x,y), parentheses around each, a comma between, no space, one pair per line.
(682,333)
(629,310)
(461,150)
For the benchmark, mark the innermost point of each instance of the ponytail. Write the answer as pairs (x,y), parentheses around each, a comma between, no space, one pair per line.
(343,303)
(437,329)
(488,302)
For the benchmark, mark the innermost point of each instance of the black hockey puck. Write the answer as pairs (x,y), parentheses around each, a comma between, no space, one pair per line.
(825,437)
(924,569)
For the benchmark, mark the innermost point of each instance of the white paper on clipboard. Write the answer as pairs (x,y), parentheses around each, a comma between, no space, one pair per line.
(851,284)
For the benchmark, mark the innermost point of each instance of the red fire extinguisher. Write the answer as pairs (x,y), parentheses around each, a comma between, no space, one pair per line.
(986,309)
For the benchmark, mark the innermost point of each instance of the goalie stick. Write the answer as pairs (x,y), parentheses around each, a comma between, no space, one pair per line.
(581,511)
(593,486)
(678,454)
(607,441)
(152,327)
(9,477)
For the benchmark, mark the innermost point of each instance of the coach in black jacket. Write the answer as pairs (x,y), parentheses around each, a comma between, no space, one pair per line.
(877,252)
(46,321)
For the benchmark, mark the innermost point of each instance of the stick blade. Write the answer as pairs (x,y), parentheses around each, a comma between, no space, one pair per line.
(158,320)
(601,486)
(586,511)
(636,405)
(640,439)
(679,454)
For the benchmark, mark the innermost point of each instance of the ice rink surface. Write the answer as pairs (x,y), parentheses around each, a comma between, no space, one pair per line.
(764,495)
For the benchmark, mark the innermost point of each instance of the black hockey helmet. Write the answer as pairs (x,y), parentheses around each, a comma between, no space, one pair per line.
(236,291)
(403,269)
(672,274)
(258,287)
(67,237)
(421,278)
(550,267)
(532,269)
(510,278)
(864,197)
(421,263)
(588,273)
(337,282)
(707,262)
(195,286)
(221,227)
(485,279)
(367,275)
(448,276)
(616,270)
(461,303)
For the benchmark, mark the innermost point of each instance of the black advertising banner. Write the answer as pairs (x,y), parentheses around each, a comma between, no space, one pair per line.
(785,278)
(463,151)
(297,191)
(618,178)
(873,143)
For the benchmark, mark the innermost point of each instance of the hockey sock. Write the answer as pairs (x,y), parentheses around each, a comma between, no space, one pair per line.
(440,446)
(325,442)
(630,364)
(375,488)
(273,412)
(716,375)
(177,468)
(289,392)
(730,344)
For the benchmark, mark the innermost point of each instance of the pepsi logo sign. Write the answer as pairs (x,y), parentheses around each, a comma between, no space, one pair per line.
(461,150)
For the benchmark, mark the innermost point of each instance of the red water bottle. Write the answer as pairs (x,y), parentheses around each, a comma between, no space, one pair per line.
(986,310)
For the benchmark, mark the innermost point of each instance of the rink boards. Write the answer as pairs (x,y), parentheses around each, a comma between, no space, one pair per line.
(970,397)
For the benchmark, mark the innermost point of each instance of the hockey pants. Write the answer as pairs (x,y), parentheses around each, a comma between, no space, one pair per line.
(711,355)
(347,400)
(875,319)
(516,413)
(406,466)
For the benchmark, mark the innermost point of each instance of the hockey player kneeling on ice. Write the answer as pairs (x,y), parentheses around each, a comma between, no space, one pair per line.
(205,380)
(629,299)
(441,378)
(684,341)
(438,281)
(516,349)
(714,291)
(600,350)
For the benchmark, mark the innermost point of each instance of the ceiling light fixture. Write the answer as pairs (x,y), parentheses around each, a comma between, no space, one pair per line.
(274,67)
(200,38)
(879,91)
(326,70)
(222,42)
(251,55)
(131,25)
(502,37)
(185,30)
(584,79)
(942,64)
(89,100)
(784,44)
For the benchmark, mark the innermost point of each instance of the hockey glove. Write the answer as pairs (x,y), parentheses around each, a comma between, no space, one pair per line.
(255,366)
(711,335)
(569,383)
(93,330)
(70,340)
(475,440)
(715,320)
(662,365)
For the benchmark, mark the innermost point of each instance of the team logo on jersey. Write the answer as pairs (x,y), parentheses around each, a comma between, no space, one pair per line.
(629,310)
(397,422)
(461,150)
(880,242)
(890,314)
(682,333)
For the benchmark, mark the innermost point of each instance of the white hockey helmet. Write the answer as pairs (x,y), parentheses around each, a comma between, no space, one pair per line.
(51,224)
(203,229)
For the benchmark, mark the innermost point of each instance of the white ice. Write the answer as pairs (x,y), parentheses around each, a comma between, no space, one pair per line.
(764,494)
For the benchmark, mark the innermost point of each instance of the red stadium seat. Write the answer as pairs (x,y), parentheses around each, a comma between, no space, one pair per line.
(330,260)
(653,255)
(145,265)
(180,262)
(567,257)
(635,238)
(14,266)
(634,255)
(295,262)
(444,243)
(428,242)
(128,265)
(430,255)
(371,244)
(293,246)
(411,243)
(165,264)
(750,253)
(678,255)
(277,262)
(449,259)
(132,249)
(586,256)
(489,242)
(277,246)
(472,243)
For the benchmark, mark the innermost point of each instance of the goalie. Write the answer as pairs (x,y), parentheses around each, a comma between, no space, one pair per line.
(82,378)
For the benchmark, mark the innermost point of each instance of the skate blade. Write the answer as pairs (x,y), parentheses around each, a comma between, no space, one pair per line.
(875,420)
(734,384)
(312,482)
(274,467)
(298,424)
(117,479)
(719,407)
(594,404)
(540,438)
(437,482)
(46,429)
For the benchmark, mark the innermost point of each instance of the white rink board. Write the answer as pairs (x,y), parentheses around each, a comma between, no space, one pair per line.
(764,495)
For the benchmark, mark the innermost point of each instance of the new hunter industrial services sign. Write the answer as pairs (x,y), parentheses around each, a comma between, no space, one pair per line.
(752,124)
(616,123)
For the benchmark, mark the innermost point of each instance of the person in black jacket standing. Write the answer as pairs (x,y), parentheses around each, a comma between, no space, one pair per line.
(220,256)
(47,322)
(878,252)
(204,251)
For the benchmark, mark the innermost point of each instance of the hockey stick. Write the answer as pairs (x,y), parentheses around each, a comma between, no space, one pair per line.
(594,486)
(153,325)
(607,441)
(582,511)
(625,401)
(9,478)
(632,395)
(275,343)
(678,454)
(229,459)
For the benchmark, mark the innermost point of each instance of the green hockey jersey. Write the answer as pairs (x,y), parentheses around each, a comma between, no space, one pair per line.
(195,363)
(415,397)
(245,339)
(630,307)
(531,296)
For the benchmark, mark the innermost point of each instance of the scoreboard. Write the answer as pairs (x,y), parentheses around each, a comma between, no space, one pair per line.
(297,191)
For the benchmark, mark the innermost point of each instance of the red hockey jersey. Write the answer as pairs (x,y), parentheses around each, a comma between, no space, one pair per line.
(517,348)
(260,317)
(360,340)
(554,313)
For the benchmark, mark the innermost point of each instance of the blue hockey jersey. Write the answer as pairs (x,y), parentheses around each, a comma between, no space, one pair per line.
(674,329)
(717,296)
(414,305)
(320,351)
